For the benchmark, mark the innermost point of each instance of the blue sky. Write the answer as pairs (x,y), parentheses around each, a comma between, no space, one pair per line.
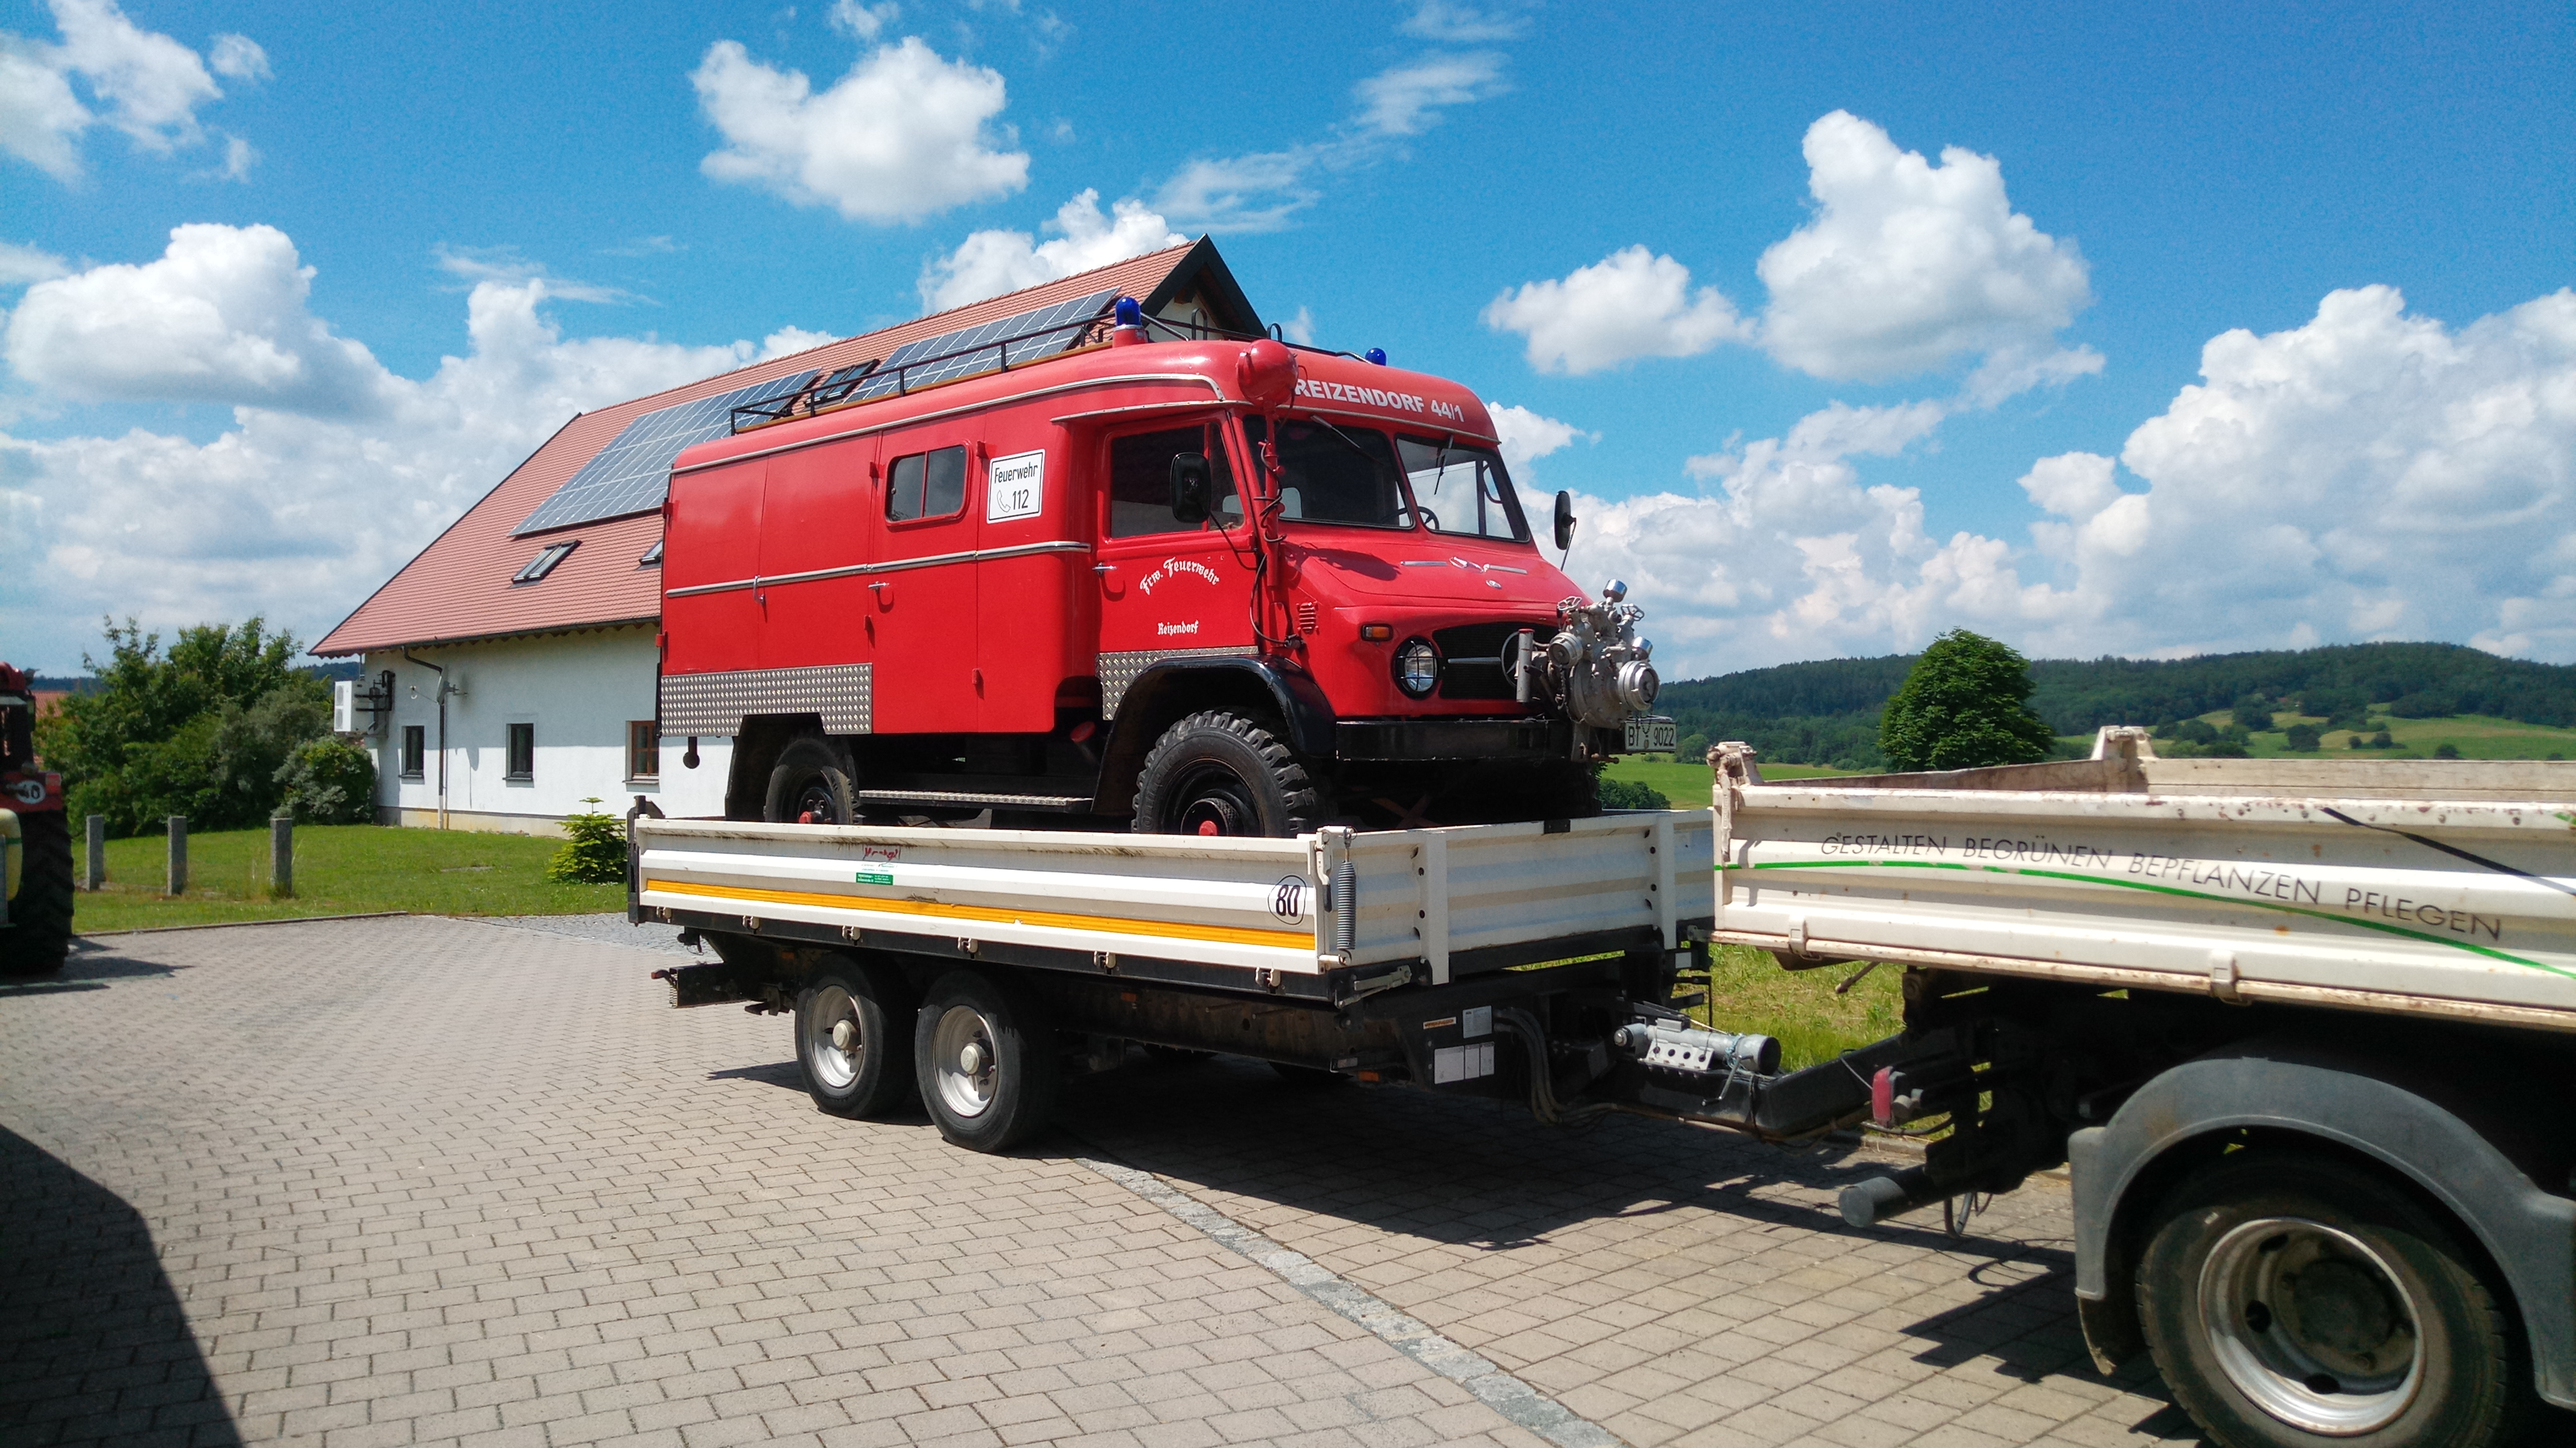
(513,212)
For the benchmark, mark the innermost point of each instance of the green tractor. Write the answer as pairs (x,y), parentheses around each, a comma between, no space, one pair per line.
(35,841)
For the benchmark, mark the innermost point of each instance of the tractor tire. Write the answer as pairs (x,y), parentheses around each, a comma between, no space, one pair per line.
(2295,1300)
(811,785)
(1222,773)
(39,933)
(987,1059)
(854,1039)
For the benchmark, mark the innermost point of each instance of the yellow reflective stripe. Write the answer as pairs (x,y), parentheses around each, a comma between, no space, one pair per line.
(1051,919)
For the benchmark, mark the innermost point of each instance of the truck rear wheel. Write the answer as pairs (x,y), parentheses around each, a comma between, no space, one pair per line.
(986,1057)
(1221,773)
(2294,1301)
(854,1039)
(39,933)
(810,785)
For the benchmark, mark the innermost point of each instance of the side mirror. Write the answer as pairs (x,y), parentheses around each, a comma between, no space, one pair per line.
(1564,521)
(1189,487)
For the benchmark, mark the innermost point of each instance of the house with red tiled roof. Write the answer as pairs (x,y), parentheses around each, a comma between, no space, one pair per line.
(511,667)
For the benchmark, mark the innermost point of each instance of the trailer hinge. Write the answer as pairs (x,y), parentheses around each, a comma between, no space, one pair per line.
(1367,986)
(2222,977)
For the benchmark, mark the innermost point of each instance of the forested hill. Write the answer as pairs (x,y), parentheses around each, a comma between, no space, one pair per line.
(1826,712)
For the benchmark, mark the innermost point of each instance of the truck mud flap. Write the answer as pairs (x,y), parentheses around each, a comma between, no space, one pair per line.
(713,984)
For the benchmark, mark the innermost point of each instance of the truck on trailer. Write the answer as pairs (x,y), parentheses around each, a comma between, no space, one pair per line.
(1057,570)
(2302,1030)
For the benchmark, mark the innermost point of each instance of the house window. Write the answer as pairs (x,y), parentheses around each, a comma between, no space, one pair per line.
(544,563)
(926,485)
(643,749)
(415,749)
(652,556)
(523,752)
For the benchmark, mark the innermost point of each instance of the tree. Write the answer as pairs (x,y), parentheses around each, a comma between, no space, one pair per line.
(2303,738)
(2252,711)
(1965,704)
(201,731)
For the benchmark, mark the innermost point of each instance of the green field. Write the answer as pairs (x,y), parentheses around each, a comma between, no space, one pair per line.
(1687,785)
(2476,736)
(339,870)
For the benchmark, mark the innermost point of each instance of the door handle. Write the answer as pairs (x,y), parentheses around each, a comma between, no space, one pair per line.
(1104,568)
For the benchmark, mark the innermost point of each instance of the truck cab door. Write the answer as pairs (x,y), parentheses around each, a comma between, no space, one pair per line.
(922,598)
(1168,586)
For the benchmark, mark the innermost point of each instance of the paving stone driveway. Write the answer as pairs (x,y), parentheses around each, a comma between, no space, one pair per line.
(420,1181)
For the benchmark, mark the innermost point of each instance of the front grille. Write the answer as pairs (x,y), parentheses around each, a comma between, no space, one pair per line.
(1472,657)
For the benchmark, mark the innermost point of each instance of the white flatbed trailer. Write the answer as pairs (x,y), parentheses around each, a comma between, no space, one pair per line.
(2304,1030)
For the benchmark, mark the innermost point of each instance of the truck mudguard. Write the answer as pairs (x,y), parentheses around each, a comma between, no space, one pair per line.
(2364,1104)
(1291,691)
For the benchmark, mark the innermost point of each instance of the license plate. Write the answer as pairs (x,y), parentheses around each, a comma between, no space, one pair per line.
(1648,735)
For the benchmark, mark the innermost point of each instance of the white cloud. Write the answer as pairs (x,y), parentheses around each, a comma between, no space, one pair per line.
(220,318)
(1630,304)
(862,22)
(299,515)
(1465,24)
(1527,436)
(903,136)
(149,85)
(1407,99)
(1907,265)
(20,265)
(2367,475)
(989,263)
(788,340)
(40,119)
(238,57)
(1300,328)
(239,157)
(1240,194)
(504,264)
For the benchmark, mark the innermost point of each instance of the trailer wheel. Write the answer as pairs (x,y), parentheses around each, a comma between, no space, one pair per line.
(986,1057)
(39,933)
(852,1044)
(810,785)
(2293,1301)
(1220,773)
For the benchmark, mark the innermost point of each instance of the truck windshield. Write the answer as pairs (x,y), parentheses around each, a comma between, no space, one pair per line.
(1332,473)
(1462,489)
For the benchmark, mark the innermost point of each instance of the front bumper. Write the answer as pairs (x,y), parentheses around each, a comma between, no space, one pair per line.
(1515,737)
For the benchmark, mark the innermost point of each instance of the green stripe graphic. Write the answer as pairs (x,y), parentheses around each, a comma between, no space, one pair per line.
(2379,925)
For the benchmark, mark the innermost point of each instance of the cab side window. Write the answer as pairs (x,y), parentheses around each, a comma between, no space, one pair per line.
(1140,480)
(926,485)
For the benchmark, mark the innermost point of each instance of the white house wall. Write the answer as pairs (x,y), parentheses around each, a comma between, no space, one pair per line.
(579,690)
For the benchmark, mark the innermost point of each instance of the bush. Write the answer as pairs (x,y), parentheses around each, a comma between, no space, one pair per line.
(1615,794)
(2303,738)
(329,781)
(2252,711)
(2446,750)
(2226,749)
(1964,705)
(2381,740)
(2427,704)
(2195,731)
(596,852)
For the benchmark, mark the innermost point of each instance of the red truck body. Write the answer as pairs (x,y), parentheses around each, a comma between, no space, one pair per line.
(982,595)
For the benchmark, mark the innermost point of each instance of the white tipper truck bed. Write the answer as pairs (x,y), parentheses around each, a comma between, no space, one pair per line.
(2304,1031)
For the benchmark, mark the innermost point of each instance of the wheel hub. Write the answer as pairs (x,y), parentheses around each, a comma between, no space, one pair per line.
(968,1071)
(832,1042)
(2311,1325)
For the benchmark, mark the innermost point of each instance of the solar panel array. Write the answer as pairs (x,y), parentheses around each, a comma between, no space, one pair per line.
(985,346)
(632,474)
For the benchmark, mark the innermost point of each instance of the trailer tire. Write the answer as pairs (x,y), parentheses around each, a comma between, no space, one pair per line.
(985,1053)
(2277,1286)
(853,1039)
(39,933)
(1222,773)
(811,780)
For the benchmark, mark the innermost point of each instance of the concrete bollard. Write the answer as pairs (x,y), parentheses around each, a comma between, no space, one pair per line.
(281,857)
(178,856)
(97,853)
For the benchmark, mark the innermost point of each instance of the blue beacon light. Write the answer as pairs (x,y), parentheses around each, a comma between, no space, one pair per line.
(1377,355)
(1129,313)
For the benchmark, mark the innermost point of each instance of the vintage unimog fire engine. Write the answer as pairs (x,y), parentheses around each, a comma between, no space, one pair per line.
(1221,585)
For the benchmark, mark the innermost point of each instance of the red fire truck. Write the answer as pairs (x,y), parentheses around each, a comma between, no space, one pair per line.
(1221,585)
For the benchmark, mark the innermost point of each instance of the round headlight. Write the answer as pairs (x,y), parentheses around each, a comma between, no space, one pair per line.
(1417,668)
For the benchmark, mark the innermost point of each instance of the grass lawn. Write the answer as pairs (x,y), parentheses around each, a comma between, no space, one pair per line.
(339,870)
(2476,736)
(1687,785)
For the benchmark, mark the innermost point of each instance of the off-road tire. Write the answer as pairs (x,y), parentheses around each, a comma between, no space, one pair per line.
(811,774)
(875,1079)
(2472,1383)
(39,933)
(1223,773)
(1309,1078)
(1017,1099)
